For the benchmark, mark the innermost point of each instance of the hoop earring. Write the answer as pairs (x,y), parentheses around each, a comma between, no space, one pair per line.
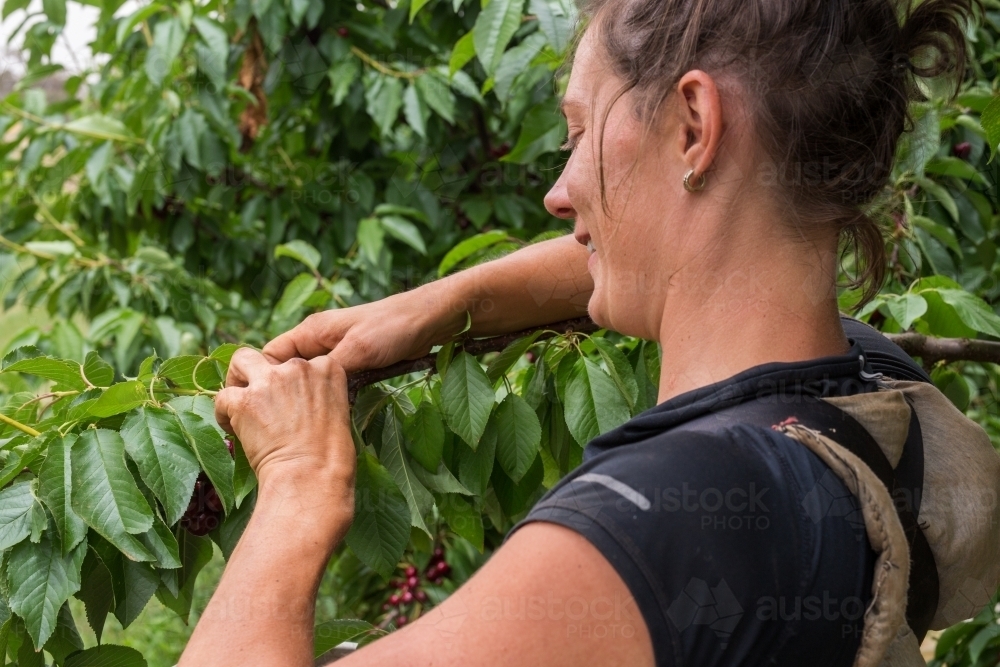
(687,182)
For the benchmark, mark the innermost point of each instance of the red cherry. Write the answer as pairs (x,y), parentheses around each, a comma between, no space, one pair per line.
(438,552)
(411,571)
(401,621)
(962,150)
(394,599)
(229,446)
(212,500)
(412,582)
(386,607)
(343,32)
(407,597)
(421,596)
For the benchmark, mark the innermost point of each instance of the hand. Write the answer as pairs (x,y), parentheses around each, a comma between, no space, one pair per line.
(293,419)
(372,335)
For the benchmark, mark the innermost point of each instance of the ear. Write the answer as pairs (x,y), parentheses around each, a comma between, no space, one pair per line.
(700,131)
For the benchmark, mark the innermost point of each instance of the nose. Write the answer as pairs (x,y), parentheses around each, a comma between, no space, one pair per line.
(557,200)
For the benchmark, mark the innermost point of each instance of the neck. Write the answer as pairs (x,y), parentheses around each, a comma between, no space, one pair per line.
(772,299)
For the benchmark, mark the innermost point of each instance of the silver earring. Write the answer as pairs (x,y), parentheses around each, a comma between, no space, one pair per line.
(687,182)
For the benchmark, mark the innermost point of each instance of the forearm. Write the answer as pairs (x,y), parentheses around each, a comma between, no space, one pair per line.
(262,611)
(542,283)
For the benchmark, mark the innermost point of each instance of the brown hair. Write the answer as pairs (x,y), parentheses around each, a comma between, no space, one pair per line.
(827,84)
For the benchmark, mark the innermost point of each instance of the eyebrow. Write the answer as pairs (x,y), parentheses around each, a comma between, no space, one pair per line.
(570,103)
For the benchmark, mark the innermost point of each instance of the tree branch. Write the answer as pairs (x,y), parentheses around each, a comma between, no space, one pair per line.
(928,348)
(932,350)
(474,346)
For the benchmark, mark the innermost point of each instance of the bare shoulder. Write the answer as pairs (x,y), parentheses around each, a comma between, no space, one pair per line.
(547,597)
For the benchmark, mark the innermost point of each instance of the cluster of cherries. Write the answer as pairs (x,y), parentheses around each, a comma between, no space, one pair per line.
(408,591)
(204,511)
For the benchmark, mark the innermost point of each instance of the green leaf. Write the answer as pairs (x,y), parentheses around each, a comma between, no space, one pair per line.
(619,369)
(940,194)
(55,489)
(405,231)
(463,518)
(467,397)
(97,126)
(342,75)
(96,591)
(384,97)
(916,147)
(973,311)
(204,439)
(416,6)
(381,527)
(556,19)
(98,372)
(476,466)
(195,554)
(434,90)
(942,233)
(990,119)
(66,373)
(462,53)
(235,523)
(331,633)
(371,235)
(15,514)
(905,308)
(192,372)
(161,543)
(509,356)
(120,398)
(214,54)
(978,643)
(296,293)
(65,638)
(299,251)
(393,458)
(514,496)
(593,403)
(55,10)
(518,436)
(954,386)
(107,655)
(494,28)
(168,39)
(415,111)
(105,495)
(41,580)
(426,435)
(542,131)
(468,247)
(441,481)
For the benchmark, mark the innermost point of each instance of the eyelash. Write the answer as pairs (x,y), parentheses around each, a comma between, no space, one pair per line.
(570,143)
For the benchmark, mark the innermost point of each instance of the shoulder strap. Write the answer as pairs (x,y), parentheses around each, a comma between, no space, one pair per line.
(834,423)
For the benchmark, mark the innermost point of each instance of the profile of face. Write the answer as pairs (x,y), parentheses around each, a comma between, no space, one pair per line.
(647,228)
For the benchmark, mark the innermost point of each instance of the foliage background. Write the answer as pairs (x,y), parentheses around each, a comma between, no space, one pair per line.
(233,166)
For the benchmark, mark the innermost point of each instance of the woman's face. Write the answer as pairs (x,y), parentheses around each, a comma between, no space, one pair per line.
(637,241)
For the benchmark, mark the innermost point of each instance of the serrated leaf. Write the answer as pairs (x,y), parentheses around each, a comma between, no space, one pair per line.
(301,251)
(329,634)
(494,28)
(990,119)
(155,441)
(192,371)
(105,495)
(203,438)
(426,435)
(518,435)
(15,514)
(556,19)
(55,490)
(107,655)
(509,356)
(98,372)
(60,371)
(168,39)
(161,543)
(381,527)
(195,554)
(542,131)
(436,92)
(973,311)
(41,580)
(415,111)
(120,398)
(100,127)
(467,398)
(440,481)
(232,527)
(619,369)
(463,518)
(65,638)
(905,308)
(393,457)
(96,592)
(593,403)
(476,466)
(383,97)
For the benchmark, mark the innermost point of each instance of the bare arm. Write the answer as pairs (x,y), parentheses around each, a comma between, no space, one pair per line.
(542,283)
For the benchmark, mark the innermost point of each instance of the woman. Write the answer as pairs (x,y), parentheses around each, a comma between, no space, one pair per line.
(721,153)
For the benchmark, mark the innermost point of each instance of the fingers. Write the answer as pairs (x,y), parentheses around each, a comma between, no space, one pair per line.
(246,365)
(309,339)
(227,404)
